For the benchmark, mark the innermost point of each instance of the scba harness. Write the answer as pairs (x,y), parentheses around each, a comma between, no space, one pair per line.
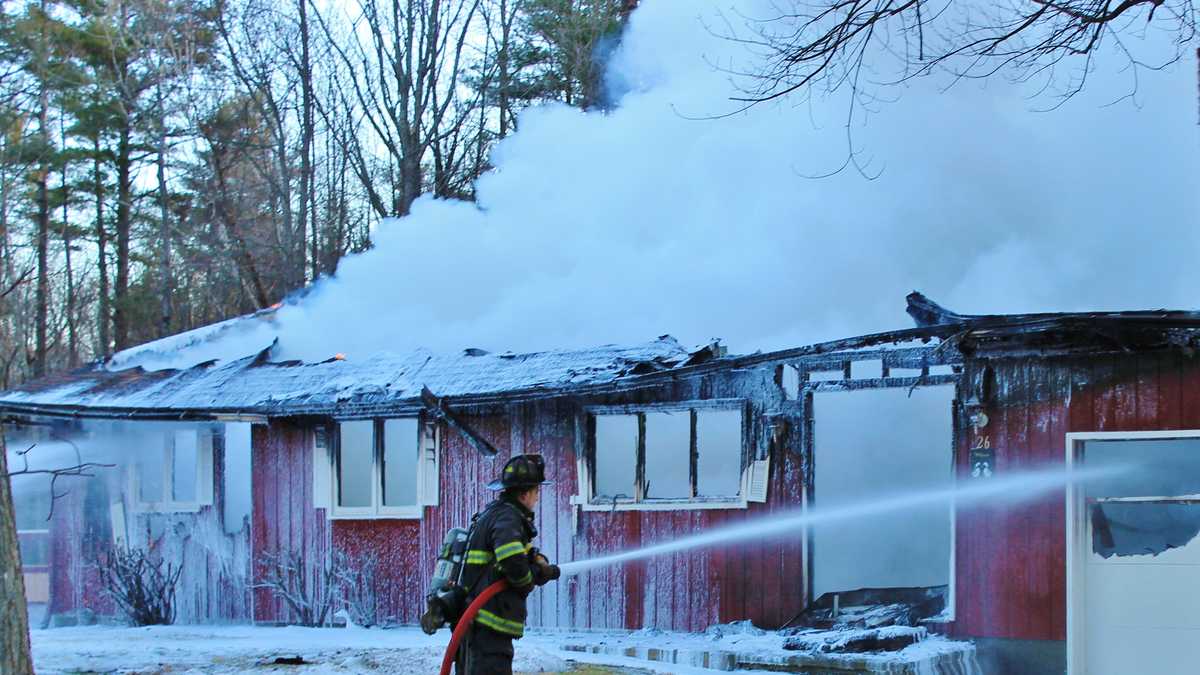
(468,562)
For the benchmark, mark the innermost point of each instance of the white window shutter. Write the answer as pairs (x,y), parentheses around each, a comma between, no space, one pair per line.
(756,480)
(116,514)
(322,460)
(204,467)
(429,463)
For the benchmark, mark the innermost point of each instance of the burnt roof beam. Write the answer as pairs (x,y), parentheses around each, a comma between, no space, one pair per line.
(438,409)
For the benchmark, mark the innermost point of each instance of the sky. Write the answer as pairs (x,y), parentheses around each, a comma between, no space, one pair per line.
(661,215)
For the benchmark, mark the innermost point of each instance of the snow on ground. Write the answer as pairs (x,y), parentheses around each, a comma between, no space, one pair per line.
(407,651)
(240,649)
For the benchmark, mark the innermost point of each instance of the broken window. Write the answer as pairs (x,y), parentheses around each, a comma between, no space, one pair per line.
(1146,501)
(616,455)
(173,467)
(874,444)
(668,454)
(718,452)
(675,453)
(1142,528)
(380,469)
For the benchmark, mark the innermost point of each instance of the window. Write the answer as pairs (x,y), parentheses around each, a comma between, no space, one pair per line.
(686,455)
(172,469)
(877,443)
(31,509)
(1146,503)
(382,467)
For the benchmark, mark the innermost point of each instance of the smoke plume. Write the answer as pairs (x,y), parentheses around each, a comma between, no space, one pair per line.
(663,215)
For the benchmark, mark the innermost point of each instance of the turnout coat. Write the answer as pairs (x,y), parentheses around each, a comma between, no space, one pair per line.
(500,546)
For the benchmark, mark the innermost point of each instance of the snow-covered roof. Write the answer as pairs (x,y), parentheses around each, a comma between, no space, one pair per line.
(255,385)
(255,332)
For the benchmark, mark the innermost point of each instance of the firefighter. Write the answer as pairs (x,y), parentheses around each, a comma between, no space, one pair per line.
(500,547)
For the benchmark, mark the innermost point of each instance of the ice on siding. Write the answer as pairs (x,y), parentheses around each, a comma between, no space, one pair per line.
(255,385)
(729,646)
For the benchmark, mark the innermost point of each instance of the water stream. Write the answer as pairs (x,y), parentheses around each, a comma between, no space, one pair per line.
(1009,489)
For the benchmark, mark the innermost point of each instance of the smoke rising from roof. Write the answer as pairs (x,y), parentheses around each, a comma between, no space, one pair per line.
(655,217)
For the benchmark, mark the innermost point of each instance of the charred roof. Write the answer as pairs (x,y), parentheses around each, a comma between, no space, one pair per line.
(255,385)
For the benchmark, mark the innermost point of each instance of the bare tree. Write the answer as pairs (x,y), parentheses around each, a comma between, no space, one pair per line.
(399,64)
(261,70)
(141,584)
(14,615)
(357,581)
(308,588)
(832,43)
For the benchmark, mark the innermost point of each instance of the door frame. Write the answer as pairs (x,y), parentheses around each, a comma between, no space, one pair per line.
(1078,543)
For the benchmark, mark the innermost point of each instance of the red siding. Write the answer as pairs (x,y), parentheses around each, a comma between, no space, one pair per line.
(1011,562)
(682,591)
(284,519)
(394,548)
(74,584)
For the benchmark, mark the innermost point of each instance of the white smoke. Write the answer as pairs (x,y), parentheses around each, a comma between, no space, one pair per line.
(656,218)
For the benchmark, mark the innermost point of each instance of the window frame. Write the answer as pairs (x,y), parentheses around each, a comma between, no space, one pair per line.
(206,442)
(586,433)
(428,445)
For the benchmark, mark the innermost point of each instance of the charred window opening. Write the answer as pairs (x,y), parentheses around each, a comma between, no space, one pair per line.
(668,439)
(673,454)
(379,468)
(874,444)
(718,452)
(616,451)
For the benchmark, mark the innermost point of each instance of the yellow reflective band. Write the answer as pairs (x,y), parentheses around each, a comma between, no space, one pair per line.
(509,550)
(525,580)
(478,557)
(498,624)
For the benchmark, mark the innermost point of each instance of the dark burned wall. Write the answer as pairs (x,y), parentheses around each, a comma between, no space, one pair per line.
(759,581)
(1011,560)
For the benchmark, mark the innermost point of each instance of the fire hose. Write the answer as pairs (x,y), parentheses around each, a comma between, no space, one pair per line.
(464,622)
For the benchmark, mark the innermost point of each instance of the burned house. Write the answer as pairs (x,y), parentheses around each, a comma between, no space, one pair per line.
(294,491)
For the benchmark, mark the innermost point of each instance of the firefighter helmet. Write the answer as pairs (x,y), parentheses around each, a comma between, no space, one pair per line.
(522,471)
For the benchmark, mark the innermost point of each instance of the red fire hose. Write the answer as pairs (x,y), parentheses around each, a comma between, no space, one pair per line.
(464,623)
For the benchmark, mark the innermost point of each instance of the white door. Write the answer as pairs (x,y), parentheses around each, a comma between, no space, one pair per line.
(1140,558)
